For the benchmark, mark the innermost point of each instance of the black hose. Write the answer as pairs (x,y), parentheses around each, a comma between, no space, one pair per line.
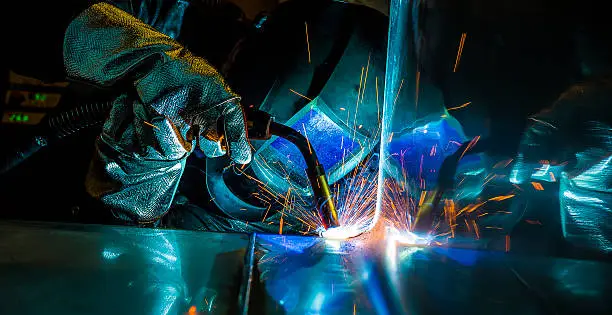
(300,141)
(315,171)
(55,128)
(70,122)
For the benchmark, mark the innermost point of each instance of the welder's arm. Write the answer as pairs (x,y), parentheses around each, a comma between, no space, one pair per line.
(577,130)
(566,128)
(172,101)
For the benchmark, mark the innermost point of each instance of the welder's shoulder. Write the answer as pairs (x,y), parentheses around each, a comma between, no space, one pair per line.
(591,100)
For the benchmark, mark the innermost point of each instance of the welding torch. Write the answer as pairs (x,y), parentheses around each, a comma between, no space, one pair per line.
(429,208)
(261,126)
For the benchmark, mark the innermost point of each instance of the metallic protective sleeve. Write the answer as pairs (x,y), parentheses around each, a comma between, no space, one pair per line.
(142,150)
(577,128)
(586,195)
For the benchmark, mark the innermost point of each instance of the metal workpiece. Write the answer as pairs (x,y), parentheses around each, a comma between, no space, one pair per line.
(88,269)
(247,275)
(306,275)
(324,200)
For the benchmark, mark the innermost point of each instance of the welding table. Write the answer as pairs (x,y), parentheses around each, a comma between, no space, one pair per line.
(89,269)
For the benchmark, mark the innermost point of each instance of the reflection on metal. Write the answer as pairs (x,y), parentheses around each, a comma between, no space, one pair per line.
(247,278)
(304,275)
(67,269)
(74,269)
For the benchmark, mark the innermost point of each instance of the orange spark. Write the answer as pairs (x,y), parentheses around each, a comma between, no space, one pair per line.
(500,198)
(459,51)
(307,41)
(354,309)
(266,214)
(149,124)
(365,81)
(459,107)
(280,229)
(552,177)
(476,230)
(398,91)
(449,214)
(416,97)
(470,145)
(503,163)
(433,150)
(534,222)
(422,199)
(470,208)
(360,83)
(391,137)
(507,243)
(192,310)
(300,95)
(537,186)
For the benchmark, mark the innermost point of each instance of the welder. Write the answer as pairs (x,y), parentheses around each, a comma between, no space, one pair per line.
(171,103)
(574,132)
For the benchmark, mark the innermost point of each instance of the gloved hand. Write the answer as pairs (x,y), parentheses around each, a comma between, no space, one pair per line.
(172,101)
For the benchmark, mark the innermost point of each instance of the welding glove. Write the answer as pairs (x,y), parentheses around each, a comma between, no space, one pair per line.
(172,101)
(576,131)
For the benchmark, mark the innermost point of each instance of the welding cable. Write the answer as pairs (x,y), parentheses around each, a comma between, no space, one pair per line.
(82,117)
(261,126)
(316,173)
(55,128)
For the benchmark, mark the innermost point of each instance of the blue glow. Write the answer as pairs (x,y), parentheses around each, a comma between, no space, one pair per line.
(586,200)
(327,139)
(317,302)
(289,244)
(339,148)
(260,23)
(421,150)
(397,53)
(465,257)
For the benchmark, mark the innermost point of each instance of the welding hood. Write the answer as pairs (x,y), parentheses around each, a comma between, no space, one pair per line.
(320,68)
(317,67)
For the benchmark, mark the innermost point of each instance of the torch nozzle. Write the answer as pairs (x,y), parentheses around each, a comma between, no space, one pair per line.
(323,197)
(261,126)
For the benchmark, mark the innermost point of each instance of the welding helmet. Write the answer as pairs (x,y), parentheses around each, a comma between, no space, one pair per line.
(318,67)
